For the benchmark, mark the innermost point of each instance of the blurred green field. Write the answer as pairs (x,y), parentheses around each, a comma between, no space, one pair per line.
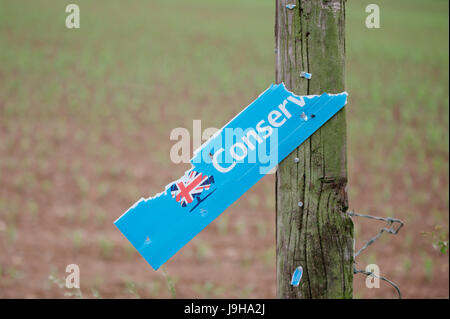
(85,118)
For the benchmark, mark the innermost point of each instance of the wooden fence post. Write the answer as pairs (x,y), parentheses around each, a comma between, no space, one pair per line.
(313,230)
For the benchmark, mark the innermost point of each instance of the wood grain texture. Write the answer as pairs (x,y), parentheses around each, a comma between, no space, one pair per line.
(319,235)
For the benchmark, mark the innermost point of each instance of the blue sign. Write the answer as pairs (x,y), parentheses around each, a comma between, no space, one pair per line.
(224,168)
(297,276)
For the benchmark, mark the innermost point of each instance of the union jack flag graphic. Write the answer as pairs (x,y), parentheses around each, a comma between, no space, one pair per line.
(190,187)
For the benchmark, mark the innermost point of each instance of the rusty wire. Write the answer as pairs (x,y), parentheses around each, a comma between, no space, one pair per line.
(394,225)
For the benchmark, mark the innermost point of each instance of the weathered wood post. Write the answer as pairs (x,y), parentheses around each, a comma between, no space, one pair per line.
(313,230)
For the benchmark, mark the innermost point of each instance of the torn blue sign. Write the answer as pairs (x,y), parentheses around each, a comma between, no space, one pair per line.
(224,168)
(297,276)
(306,75)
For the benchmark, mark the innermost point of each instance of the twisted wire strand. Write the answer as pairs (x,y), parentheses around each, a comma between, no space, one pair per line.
(394,227)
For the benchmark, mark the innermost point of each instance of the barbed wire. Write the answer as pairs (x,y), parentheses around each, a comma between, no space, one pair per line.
(394,226)
(390,221)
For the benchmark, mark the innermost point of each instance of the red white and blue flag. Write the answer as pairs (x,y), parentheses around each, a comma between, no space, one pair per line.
(190,187)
